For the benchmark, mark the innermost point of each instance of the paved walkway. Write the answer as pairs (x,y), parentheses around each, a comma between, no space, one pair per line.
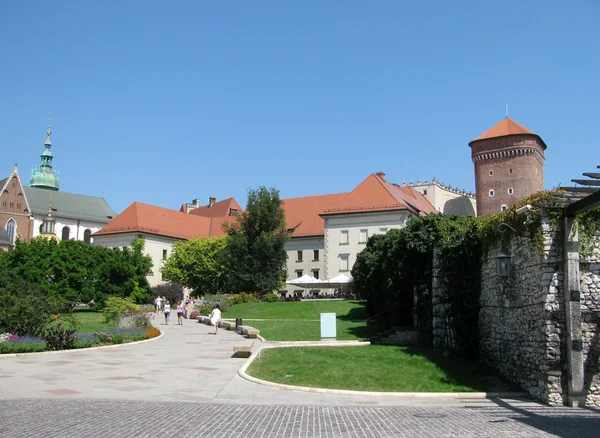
(186,384)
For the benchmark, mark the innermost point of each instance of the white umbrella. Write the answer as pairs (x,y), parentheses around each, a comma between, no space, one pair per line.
(338,281)
(305,281)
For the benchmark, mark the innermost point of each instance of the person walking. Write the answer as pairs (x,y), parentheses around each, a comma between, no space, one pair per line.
(215,318)
(158,303)
(167,310)
(180,313)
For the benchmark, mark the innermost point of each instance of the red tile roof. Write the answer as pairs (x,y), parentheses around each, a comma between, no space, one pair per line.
(218,209)
(504,128)
(161,221)
(376,194)
(302,214)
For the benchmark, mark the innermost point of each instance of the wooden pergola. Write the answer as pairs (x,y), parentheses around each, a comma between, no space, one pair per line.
(576,199)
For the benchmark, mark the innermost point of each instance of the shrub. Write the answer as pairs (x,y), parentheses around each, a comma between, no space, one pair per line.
(205,310)
(117,307)
(212,300)
(58,337)
(243,298)
(173,292)
(24,309)
(270,298)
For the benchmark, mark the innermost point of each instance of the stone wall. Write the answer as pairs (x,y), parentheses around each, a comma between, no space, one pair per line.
(589,266)
(521,321)
(522,317)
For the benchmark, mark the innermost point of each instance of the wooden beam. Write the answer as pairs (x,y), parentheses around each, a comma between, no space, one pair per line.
(583,205)
(592,175)
(580,189)
(586,182)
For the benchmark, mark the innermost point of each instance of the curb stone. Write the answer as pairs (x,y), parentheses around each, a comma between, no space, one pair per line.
(452,395)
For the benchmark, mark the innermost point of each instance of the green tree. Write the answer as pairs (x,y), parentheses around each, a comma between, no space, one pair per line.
(198,264)
(255,254)
(78,272)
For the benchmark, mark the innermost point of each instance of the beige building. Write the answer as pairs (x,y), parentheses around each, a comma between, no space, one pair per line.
(446,199)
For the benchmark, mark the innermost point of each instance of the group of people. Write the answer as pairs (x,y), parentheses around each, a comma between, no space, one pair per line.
(161,303)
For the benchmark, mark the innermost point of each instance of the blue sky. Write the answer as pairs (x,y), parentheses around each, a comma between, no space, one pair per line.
(162,102)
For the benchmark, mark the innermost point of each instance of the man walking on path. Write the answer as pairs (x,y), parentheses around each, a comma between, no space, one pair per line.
(158,303)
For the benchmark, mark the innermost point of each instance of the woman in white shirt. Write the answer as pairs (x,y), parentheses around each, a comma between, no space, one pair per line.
(167,310)
(215,318)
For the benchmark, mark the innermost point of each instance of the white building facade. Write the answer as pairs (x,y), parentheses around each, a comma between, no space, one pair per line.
(346,235)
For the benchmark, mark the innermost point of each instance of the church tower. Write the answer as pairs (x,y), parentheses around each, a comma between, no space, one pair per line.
(44,176)
(509,166)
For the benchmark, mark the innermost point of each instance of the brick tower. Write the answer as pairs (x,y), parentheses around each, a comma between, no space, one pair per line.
(509,165)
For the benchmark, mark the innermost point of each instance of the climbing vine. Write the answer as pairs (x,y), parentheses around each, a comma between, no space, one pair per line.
(394,272)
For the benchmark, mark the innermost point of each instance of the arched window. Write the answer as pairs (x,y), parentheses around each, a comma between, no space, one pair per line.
(65,233)
(11,229)
(87,236)
(41,228)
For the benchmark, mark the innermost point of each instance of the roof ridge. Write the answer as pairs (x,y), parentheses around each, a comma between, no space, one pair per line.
(317,196)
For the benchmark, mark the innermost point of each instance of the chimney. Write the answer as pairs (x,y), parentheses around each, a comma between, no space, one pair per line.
(211,201)
(196,202)
(381,175)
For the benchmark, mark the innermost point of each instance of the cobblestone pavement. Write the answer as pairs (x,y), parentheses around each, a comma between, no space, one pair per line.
(99,418)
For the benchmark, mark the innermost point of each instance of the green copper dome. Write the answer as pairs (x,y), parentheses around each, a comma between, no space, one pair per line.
(44,176)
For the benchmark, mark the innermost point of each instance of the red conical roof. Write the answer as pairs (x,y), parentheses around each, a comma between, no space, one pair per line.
(506,127)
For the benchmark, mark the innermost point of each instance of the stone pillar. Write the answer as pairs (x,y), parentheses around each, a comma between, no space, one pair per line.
(574,342)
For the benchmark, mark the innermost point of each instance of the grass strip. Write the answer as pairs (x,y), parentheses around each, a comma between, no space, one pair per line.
(350,310)
(299,330)
(375,368)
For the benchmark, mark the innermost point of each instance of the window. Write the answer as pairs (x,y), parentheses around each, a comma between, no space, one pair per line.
(344,237)
(165,254)
(299,273)
(12,205)
(503,207)
(509,170)
(299,256)
(66,232)
(510,191)
(491,193)
(491,172)
(363,236)
(424,192)
(3,203)
(41,228)
(315,273)
(11,228)
(383,230)
(87,236)
(344,263)
(315,255)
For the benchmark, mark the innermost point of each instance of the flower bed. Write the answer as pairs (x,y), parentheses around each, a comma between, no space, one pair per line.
(10,343)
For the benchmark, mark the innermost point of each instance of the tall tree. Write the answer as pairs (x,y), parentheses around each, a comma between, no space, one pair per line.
(256,256)
(198,264)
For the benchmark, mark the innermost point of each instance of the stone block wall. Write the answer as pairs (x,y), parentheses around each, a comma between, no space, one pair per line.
(589,266)
(522,318)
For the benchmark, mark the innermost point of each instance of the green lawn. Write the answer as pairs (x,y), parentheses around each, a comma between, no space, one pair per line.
(91,322)
(375,368)
(297,310)
(299,320)
(300,330)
